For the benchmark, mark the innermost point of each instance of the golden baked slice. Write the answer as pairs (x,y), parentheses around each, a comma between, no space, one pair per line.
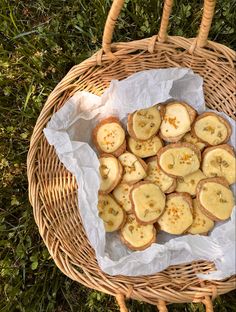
(220,161)
(189,183)
(166,183)
(177,217)
(110,172)
(215,199)
(110,212)
(136,236)
(201,223)
(144,123)
(109,137)
(134,168)
(211,128)
(177,120)
(148,202)
(145,149)
(122,196)
(189,138)
(179,159)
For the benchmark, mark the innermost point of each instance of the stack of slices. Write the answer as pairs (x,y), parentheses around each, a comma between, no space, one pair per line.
(171,171)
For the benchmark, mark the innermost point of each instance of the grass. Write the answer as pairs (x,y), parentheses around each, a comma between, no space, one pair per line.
(39,42)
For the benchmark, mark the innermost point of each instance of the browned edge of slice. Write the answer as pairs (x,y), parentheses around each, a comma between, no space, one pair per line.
(162,110)
(131,247)
(200,185)
(143,164)
(132,203)
(176,145)
(187,197)
(204,233)
(174,184)
(124,218)
(120,173)
(123,211)
(157,227)
(192,115)
(130,126)
(129,211)
(107,120)
(171,139)
(198,140)
(226,147)
(222,120)
(127,144)
(150,159)
(172,187)
(191,111)
(120,150)
(129,150)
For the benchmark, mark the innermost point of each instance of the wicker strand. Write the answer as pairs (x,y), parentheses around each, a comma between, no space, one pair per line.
(162,35)
(121,302)
(161,306)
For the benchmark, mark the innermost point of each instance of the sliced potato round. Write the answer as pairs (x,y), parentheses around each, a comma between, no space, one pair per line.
(148,202)
(145,149)
(189,183)
(189,138)
(178,117)
(110,212)
(201,223)
(166,183)
(109,136)
(215,198)
(110,172)
(144,123)
(177,217)
(211,128)
(136,236)
(179,159)
(122,196)
(220,161)
(134,168)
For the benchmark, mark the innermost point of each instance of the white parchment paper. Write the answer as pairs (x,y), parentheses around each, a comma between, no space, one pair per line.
(69,131)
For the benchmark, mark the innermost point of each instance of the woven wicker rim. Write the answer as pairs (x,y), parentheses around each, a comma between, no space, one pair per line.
(53,190)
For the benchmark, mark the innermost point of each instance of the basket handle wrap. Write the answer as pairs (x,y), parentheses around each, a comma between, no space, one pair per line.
(201,41)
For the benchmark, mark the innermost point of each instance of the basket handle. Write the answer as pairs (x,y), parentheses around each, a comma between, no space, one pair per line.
(161,306)
(208,13)
(110,25)
(121,303)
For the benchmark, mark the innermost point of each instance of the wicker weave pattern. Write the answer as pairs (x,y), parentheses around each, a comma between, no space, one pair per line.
(53,190)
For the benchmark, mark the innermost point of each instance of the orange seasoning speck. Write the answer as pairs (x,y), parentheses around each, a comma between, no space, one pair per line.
(171,121)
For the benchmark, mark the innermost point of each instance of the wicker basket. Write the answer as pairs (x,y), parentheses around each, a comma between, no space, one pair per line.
(53,190)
